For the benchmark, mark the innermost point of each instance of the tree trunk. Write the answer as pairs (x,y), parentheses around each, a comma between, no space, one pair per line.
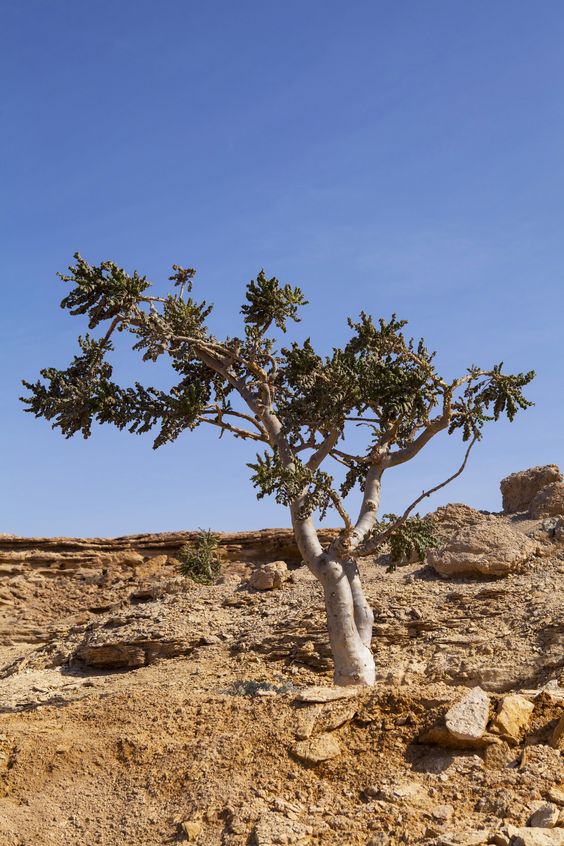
(349,617)
(349,621)
(363,614)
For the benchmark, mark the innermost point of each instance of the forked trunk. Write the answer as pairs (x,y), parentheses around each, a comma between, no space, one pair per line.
(349,621)
(349,617)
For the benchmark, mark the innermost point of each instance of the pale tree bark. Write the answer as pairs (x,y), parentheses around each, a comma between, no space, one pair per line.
(349,616)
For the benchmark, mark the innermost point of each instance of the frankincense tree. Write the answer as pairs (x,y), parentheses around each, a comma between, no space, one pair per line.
(296,404)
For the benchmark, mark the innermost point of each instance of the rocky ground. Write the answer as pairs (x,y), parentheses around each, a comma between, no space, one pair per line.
(139,708)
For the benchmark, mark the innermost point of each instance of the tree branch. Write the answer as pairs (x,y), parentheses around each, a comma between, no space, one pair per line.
(435,426)
(222,412)
(340,508)
(345,456)
(374,543)
(227,427)
(320,454)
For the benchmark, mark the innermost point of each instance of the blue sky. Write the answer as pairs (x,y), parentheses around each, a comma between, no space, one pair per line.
(401,157)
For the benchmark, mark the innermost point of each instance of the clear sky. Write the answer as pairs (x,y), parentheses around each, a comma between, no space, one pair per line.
(402,156)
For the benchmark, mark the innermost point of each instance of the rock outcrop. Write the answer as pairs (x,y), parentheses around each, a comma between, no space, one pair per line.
(485,549)
(67,555)
(519,489)
(548,502)
(131,640)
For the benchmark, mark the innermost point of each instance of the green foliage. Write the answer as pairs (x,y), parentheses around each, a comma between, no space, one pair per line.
(72,397)
(199,561)
(184,319)
(378,371)
(288,484)
(102,292)
(269,302)
(410,539)
(486,399)
(380,379)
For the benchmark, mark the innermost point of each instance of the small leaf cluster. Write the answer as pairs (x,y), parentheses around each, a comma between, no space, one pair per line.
(290,484)
(486,398)
(101,291)
(71,398)
(270,302)
(199,560)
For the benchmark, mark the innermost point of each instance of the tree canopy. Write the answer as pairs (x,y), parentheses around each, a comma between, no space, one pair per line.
(295,401)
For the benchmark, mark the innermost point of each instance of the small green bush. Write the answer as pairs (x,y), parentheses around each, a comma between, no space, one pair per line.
(199,560)
(410,540)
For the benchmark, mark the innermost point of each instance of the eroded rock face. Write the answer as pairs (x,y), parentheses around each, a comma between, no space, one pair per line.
(133,550)
(484,549)
(450,519)
(549,502)
(130,641)
(519,489)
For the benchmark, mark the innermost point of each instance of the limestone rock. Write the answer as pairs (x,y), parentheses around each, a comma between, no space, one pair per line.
(450,519)
(113,656)
(519,489)
(556,795)
(192,829)
(274,829)
(130,641)
(557,739)
(408,792)
(513,716)
(485,549)
(537,837)
(305,721)
(270,577)
(334,715)
(468,838)
(467,719)
(497,756)
(545,816)
(325,694)
(317,749)
(549,502)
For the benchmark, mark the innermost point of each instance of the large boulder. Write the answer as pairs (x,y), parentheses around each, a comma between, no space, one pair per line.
(519,489)
(489,548)
(548,502)
(450,519)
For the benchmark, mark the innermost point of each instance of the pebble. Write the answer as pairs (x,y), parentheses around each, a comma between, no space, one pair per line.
(544,816)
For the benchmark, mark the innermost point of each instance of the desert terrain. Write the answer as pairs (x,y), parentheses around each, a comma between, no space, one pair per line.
(138,708)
